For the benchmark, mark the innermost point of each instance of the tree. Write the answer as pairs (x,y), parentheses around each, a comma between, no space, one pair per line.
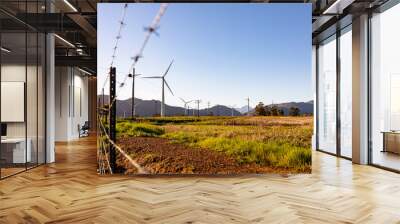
(274,111)
(267,110)
(260,109)
(294,111)
(281,112)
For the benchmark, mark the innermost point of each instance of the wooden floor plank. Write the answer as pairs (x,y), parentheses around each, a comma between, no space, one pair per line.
(70,191)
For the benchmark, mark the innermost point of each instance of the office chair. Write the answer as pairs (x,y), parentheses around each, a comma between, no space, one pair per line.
(84,130)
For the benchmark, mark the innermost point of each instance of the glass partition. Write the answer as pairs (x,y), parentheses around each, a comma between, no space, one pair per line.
(14,153)
(385,89)
(346,92)
(327,95)
(22,87)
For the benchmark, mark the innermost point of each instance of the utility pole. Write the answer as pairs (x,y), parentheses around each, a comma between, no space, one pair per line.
(113,118)
(102,97)
(133,76)
(198,107)
(248,106)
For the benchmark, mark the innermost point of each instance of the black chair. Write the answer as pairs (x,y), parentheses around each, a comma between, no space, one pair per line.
(84,130)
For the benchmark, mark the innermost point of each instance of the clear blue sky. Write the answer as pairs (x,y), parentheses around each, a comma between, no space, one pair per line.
(223,52)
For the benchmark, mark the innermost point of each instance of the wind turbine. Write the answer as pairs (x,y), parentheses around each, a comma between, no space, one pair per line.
(163,82)
(134,108)
(248,106)
(232,109)
(186,104)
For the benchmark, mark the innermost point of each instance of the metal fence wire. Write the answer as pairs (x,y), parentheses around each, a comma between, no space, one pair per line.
(106,146)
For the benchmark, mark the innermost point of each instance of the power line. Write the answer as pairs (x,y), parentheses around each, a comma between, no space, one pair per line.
(117,38)
(150,30)
(153,27)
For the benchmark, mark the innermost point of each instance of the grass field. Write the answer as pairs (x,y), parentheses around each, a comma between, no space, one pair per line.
(280,143)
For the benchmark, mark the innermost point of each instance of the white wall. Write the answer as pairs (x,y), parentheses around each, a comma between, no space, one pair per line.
(33,127)
(71,102)
(10,73)
(62,82)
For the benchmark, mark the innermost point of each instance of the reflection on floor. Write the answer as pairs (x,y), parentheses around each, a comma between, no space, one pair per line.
(70,191)
(10,169)
(387,159)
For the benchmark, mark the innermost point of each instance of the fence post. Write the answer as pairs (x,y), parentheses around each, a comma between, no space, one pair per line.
(112,117)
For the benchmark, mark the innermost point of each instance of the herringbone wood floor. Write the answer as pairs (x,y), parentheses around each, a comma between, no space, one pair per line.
(70,191)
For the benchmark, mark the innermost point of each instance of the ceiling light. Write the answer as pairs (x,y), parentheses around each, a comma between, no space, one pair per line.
(70,5)
(64,40)
(86,72)
(5,50)
(338,6)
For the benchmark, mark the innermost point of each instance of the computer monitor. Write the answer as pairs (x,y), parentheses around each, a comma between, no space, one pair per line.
(3,129)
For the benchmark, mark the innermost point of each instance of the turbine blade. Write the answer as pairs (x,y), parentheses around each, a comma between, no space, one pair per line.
(182,100)
(166,72)
(151,77)
(168,87)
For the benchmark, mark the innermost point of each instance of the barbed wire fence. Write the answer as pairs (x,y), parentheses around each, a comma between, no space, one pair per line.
(107,146)
(149,32)
(117,39)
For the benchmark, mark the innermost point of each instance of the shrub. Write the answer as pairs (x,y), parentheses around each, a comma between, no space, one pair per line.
(130,129)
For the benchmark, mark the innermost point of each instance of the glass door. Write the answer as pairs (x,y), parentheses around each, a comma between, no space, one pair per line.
(327,95)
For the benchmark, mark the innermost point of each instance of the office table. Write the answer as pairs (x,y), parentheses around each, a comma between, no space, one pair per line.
(13,150)
(391,141)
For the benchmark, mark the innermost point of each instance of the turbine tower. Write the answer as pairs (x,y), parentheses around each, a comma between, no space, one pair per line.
(248,106)
(185,104)
(232,109)
(163,83)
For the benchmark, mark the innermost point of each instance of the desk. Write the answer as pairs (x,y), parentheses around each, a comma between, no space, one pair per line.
(13,150)
(391,141)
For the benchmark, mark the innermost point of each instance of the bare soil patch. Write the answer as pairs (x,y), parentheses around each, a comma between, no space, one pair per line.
(160,156)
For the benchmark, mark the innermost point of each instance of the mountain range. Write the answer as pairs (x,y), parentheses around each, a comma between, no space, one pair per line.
(152,107)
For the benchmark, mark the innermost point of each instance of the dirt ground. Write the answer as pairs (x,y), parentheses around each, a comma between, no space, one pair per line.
(160,156)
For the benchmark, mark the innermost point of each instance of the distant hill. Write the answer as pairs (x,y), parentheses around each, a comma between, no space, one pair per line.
(147,108)
(305,107)
(243,109)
